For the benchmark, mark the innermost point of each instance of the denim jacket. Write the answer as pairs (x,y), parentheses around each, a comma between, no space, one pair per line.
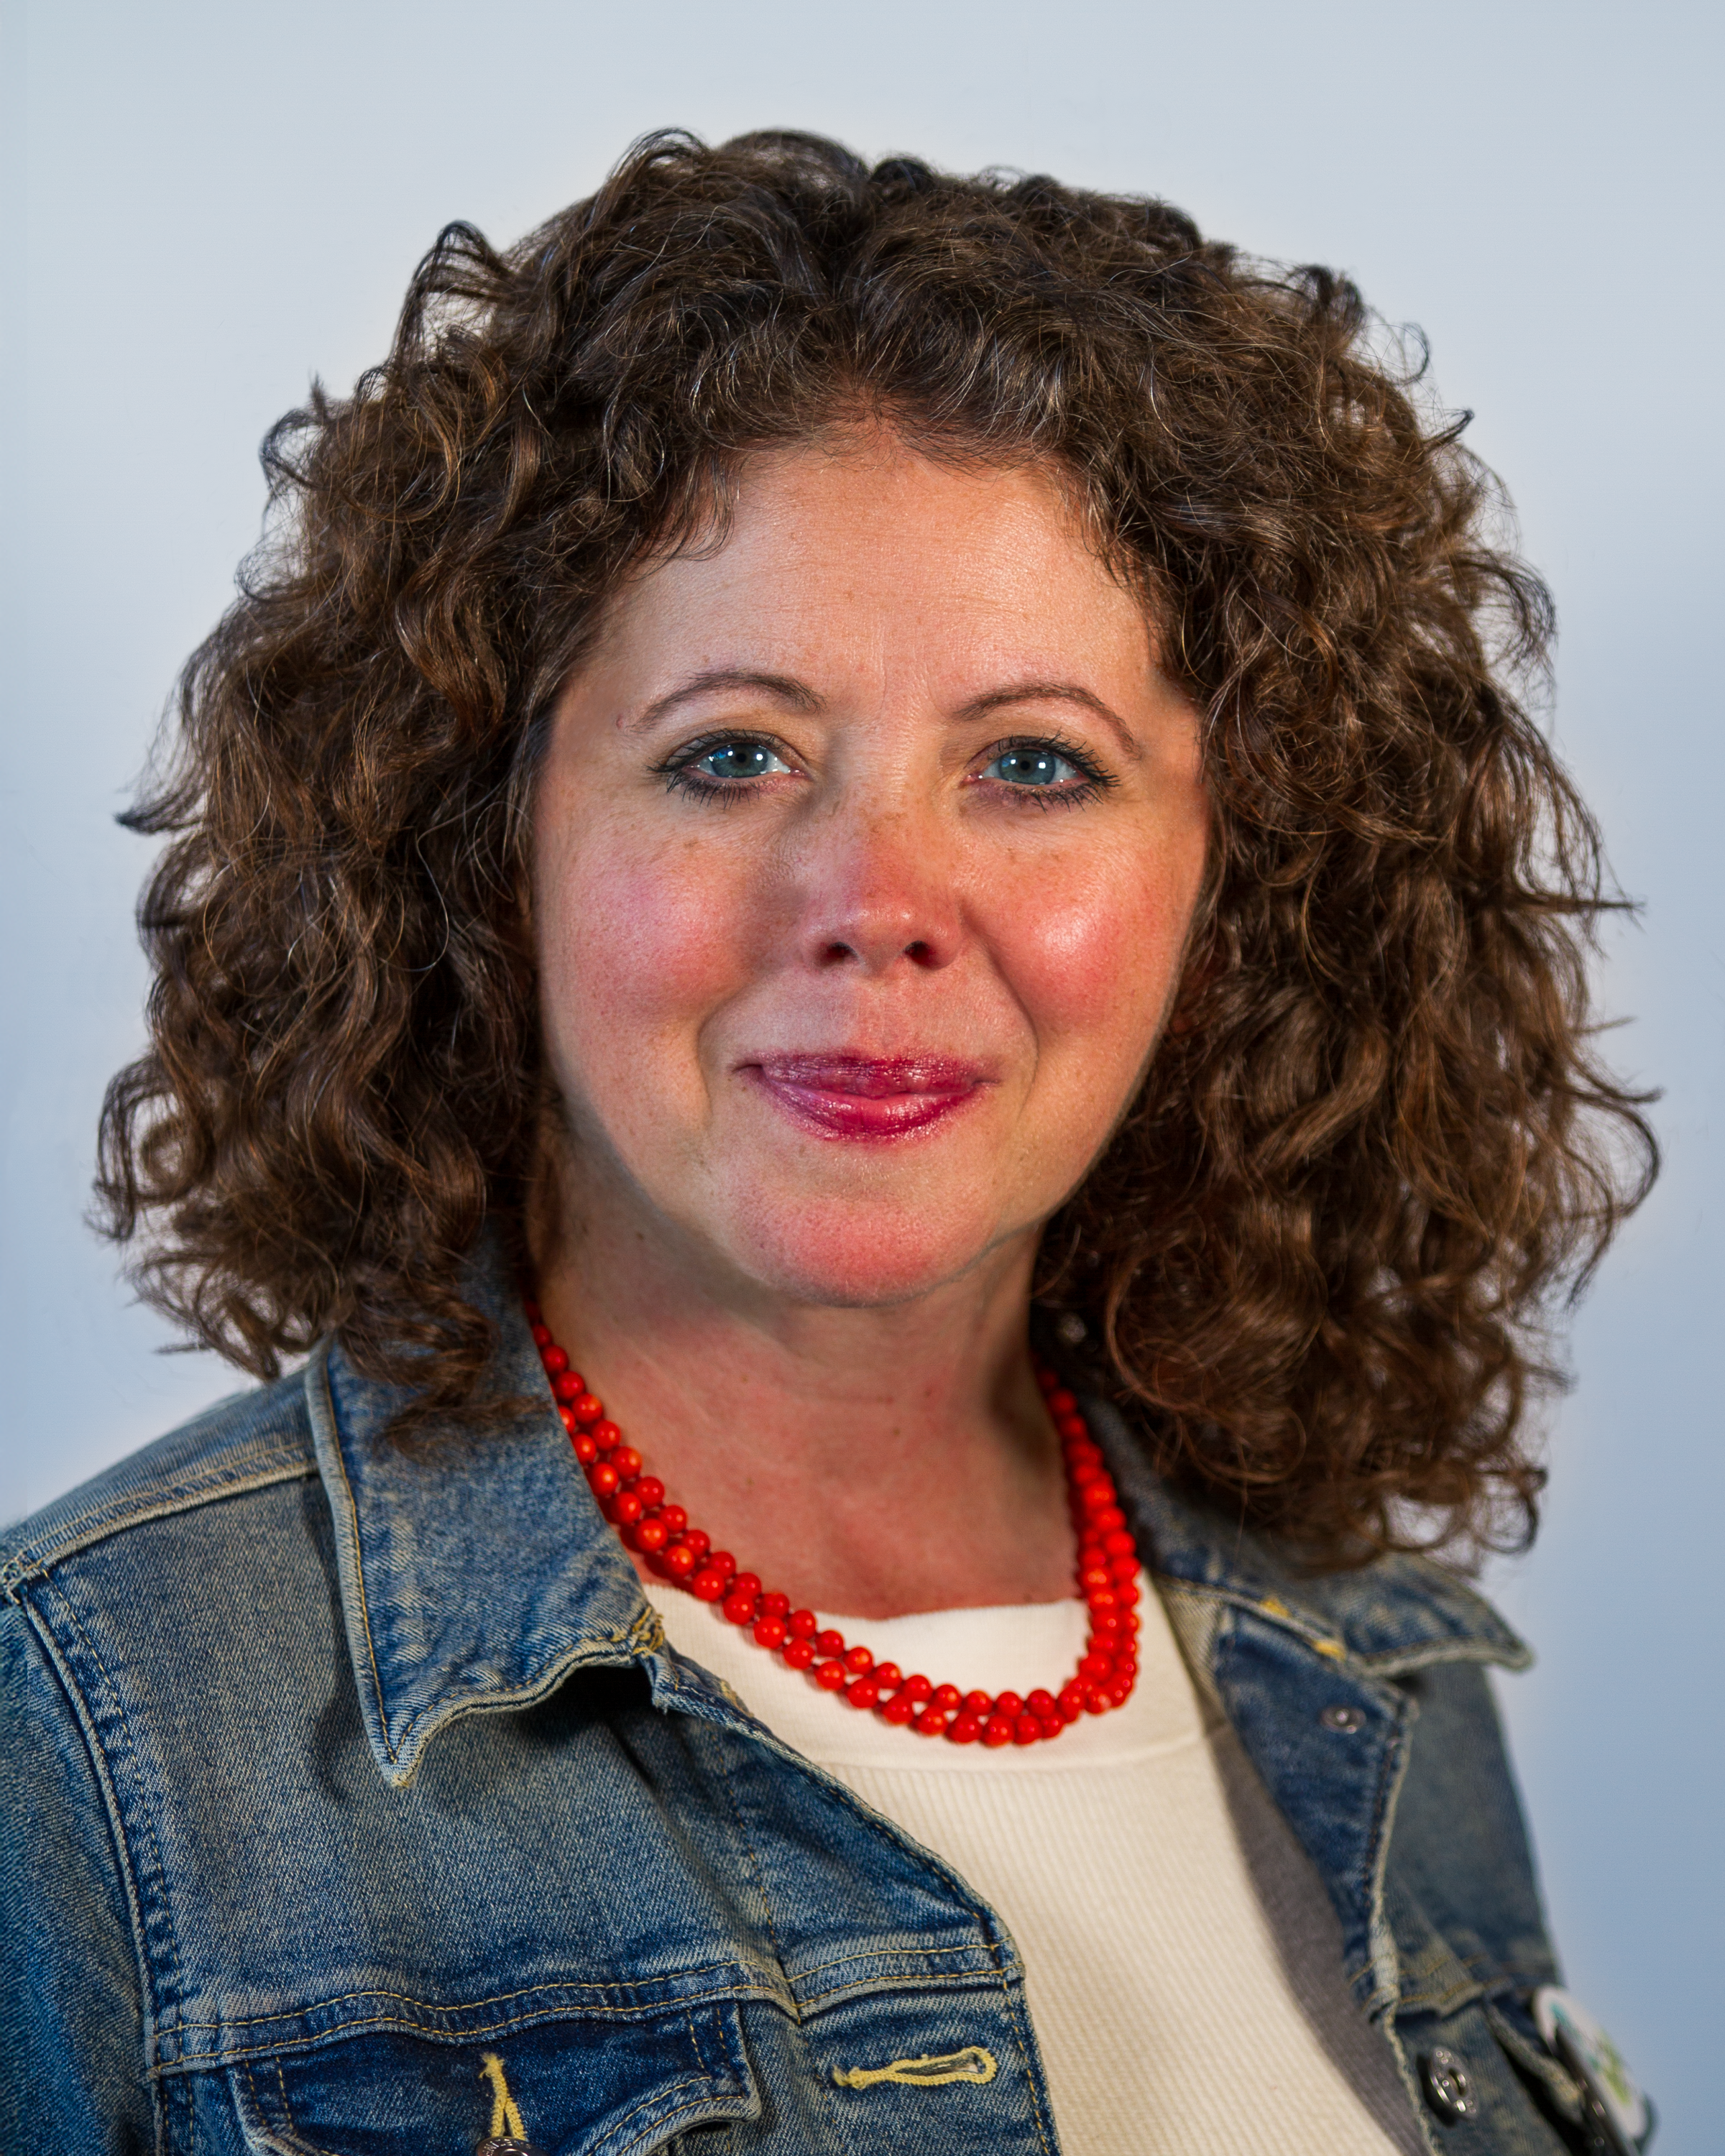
(354,1802)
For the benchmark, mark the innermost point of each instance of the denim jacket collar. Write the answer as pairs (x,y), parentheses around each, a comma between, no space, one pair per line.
(466,1592)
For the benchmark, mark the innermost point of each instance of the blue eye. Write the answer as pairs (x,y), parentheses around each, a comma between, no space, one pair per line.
(1033,766)
(741,759)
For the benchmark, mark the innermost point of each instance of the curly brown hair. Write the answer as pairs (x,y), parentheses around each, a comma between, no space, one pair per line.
(1322,1251)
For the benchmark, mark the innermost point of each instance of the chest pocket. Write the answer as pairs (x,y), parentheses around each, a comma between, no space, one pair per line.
(598,2086)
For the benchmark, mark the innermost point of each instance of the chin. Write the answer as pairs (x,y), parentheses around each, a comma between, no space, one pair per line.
(858,1256)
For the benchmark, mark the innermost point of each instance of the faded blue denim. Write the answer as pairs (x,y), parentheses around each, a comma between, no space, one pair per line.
(329,1771)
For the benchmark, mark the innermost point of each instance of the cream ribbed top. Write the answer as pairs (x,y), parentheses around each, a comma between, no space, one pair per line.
(1183,1964)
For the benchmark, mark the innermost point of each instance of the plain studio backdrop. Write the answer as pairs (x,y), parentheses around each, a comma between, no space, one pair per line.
(208,205)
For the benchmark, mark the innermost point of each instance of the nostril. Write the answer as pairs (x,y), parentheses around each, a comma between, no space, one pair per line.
(920,953)
(835,954)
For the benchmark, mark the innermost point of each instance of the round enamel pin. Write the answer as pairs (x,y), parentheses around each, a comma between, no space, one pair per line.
(1571,2033)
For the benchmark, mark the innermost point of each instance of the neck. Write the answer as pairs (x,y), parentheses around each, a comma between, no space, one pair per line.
(868,1462)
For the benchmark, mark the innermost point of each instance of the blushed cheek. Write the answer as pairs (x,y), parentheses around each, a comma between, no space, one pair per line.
(636,946)
(1095,961)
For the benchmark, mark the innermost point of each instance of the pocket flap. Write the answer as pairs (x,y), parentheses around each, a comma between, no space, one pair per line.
(596,2086)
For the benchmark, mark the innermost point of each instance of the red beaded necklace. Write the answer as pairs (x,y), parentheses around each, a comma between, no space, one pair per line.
(635,1505)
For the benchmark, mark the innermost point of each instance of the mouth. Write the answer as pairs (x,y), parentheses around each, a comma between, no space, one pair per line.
(865,1096)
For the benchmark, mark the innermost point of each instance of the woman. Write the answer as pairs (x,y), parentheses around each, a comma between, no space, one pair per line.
(890,811)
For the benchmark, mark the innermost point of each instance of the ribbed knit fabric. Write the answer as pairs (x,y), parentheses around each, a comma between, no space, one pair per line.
(1182,1962)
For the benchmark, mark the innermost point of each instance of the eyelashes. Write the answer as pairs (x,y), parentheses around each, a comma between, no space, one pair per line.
(750,754)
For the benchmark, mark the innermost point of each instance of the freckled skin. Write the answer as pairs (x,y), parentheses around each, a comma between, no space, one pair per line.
(876,886)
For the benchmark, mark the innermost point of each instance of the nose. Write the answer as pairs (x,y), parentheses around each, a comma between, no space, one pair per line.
(878,890)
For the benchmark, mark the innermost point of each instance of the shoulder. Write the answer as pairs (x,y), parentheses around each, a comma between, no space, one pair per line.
(252,1442)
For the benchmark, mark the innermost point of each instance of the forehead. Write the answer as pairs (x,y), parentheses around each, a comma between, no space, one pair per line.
(858,540)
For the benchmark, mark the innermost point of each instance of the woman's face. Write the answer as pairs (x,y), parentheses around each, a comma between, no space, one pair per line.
(865,848)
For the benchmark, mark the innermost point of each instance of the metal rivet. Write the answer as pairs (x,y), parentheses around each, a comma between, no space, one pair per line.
(1448,2086)
(504,2146)
(1346,1722)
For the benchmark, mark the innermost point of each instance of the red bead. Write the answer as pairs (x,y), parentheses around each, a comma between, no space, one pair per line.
(1113,1517)
(1120,1544)
(1010,1704)
(1096,1496)
(1074,1426)
(695,1539)
(931,1723)
(1042,1705)
(588,1409)
(863,1693)
(1047,1380)
(740,1609)
(603,1478)
(555,1360)
(889,1677)
(804,1624)
(651,1490)
(996,1730)
(1061,1403)
(965,1730)
(1119,1693)
(568,1388)
(708,1586)
(605,1435)
(830,1643)
(1071,1701)
(799,1653)
(1027,1730)
(746,1583)
(567,1420)
(674,1517)
(723,1561)
(652,1536)
(627,1461)
(1100,1598)
(898,1709)
(542,1333)
(858,1661)
(770,1632)
(1095,1702)
(1094,1667)
(775,1606)
(680,1561)
(1051,1725)
(536,1316)
(918,1688)
(627,1506)
(830,1675)
(980,1704)
(1094,1577)
(1124,1569)
(1085,1474)
(946,1698)
(586,1451)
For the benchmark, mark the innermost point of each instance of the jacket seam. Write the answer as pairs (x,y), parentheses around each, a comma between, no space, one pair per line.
(162,2023)
(279,1463)
(235,2056)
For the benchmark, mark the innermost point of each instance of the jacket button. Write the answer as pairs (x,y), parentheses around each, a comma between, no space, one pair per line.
(1345,1721)
(1448,2086)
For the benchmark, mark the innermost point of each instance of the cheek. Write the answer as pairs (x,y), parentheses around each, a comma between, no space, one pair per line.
(1094,952)
(634,939)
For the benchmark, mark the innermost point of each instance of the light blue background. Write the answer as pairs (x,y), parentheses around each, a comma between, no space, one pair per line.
(206,204)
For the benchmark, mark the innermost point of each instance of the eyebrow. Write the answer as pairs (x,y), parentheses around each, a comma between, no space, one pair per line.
(800,697)
(1054,692)
(784,686)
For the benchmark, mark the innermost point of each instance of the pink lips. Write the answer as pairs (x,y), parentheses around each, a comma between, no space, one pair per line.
(860,1096)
